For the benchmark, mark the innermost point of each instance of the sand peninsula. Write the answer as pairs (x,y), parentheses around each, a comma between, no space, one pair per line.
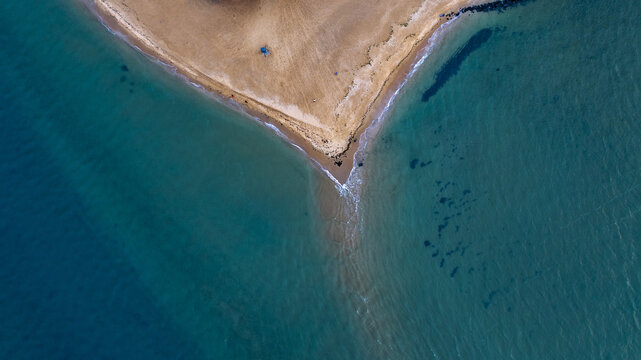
(328,67)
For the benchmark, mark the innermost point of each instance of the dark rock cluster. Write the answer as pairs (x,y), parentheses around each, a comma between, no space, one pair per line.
(487,7)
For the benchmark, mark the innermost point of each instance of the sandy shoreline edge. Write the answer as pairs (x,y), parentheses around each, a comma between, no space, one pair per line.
(339,174)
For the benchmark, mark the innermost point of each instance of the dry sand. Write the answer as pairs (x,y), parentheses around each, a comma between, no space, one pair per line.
(217,43)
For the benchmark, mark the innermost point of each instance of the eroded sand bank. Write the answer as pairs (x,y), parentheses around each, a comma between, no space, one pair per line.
(331,62)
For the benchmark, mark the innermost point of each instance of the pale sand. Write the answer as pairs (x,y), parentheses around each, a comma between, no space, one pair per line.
(216,43)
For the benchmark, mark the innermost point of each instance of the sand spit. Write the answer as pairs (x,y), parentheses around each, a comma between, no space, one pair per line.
(331,66)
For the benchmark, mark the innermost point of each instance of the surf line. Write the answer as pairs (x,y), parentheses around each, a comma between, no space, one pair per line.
(378,121)
(353,179)
(499,6)
(218,98)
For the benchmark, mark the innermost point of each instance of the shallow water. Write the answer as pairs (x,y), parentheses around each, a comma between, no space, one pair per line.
(499,214)
(502,201)
(143,219)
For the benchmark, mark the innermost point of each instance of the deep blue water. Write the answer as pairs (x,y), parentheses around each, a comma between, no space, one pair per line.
(63,292)
(140,218)
(499,216)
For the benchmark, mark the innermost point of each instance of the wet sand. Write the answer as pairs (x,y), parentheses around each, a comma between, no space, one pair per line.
(331,70)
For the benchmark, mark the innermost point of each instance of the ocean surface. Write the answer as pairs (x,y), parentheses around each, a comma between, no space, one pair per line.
(498,214)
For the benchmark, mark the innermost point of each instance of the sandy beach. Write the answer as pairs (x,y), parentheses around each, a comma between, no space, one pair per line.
(329,67)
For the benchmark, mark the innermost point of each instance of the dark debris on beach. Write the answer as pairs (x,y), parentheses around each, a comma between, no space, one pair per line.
(487,7)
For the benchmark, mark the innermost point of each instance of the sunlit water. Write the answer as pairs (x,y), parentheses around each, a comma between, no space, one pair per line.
(496,214)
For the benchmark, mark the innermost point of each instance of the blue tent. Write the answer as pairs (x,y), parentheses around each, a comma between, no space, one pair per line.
(265,51)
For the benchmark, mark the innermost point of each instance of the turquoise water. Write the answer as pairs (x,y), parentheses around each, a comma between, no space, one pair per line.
(498,218)
(503,210)
(140,218)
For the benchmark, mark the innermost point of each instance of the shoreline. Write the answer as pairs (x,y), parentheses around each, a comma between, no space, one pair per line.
(387,102)
(338,168)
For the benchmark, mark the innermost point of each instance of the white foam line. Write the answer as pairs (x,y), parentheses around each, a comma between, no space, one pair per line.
(220,99)
(107,27)
(352,178)
(173,69)
(102,21)
(282,135)
(427,51)
(353,185)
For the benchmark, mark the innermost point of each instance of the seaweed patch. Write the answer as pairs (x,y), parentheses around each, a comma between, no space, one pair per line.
(453,65)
